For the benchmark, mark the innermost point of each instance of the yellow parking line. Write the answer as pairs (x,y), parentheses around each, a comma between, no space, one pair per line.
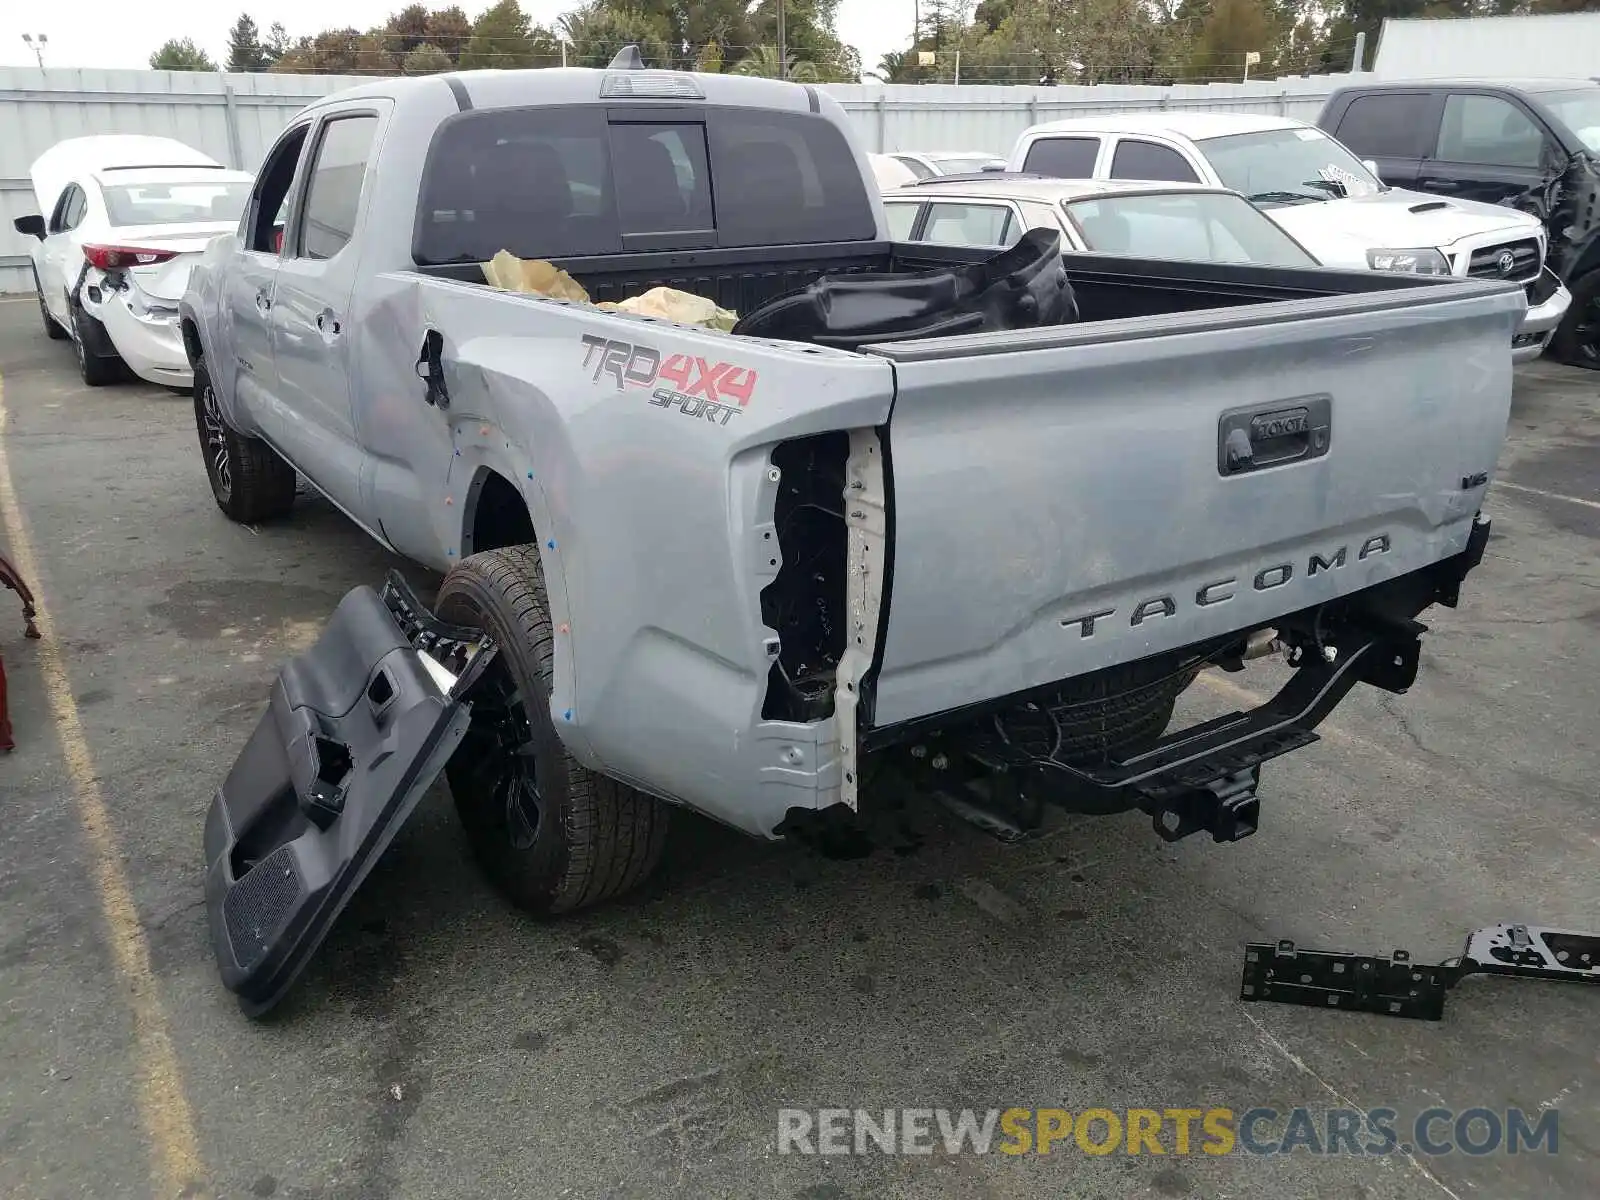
(175,1165)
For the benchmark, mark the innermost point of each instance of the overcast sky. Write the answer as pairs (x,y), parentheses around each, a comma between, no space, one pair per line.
(123,33)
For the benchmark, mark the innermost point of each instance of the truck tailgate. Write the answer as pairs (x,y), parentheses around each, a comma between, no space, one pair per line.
(1069,499)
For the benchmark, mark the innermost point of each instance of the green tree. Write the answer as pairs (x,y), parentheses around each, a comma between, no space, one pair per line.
(1234,28)
(597,32)
(503,38)
(406,30)
(339,52)
(809,36)
(426,59)
(763,61)
(245,51)
(898,66)
(709,60)
(276,45)
(181,54)
(449,29)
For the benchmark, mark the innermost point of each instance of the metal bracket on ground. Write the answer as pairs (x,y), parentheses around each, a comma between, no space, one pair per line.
(1282,973)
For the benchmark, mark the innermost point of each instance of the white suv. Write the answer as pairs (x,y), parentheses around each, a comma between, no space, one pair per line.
(1329,200)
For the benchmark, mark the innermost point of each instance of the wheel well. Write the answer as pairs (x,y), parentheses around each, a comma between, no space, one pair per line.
(191,341)
(500,517)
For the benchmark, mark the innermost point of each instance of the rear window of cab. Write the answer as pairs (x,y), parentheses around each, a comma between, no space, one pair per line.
(573,181)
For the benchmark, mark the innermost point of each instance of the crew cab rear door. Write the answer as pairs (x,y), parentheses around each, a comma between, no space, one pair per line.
(244,363)
(1064,500)
(312,326)
(1393,129)
(356,730)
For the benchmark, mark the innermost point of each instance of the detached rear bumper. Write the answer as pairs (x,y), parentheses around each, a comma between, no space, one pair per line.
(1548,301)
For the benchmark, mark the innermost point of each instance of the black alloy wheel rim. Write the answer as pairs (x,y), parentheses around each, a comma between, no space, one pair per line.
(216,441)
(499,754)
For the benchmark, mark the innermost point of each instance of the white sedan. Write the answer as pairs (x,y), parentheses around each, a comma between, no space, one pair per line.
(1181,221)
(127,218)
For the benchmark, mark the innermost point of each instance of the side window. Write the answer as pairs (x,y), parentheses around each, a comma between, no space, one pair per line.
(58,214)
(333,186)
(1147,160)
(662,181)
(74,203)
(970,225)
(68,211)
(1490,131)
(902,220)
(920,169)
(1063,157)
(1385,125)
(268,210)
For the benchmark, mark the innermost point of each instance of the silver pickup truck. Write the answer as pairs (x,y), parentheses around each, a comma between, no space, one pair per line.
(736,572)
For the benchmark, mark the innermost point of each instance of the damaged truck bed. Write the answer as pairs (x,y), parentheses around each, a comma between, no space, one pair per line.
(988,513)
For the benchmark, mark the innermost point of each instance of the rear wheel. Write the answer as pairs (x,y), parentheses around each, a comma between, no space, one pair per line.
(52,328)
(248,479)
(1578,340)
(551,835)
(98,362)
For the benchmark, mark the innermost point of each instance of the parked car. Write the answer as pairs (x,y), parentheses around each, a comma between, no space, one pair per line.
(701,580)
(927,165)
(127,218)
(1311,185)
(890,172)
(1186,222)
(1531,144)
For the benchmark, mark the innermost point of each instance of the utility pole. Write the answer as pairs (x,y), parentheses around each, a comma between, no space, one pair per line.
(783,46)
(37,42)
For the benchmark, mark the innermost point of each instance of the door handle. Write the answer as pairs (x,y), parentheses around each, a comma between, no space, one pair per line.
(1443,185)
(1292,430)
(328,323)
(263,301)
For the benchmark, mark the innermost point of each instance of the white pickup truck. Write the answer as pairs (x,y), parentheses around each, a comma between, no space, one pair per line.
(984,516)
(1331,202)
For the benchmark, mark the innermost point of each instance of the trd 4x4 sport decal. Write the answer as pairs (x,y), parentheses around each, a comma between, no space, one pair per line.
(693,386)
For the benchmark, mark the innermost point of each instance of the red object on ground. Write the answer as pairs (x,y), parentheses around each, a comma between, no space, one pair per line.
(6,744)
(9,577)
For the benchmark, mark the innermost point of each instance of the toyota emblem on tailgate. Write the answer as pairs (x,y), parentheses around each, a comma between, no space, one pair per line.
(1507,262)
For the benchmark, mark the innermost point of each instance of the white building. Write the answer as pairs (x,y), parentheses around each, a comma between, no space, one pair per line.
(1564,45)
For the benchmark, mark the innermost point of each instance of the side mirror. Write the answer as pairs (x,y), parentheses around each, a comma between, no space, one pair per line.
(31,226)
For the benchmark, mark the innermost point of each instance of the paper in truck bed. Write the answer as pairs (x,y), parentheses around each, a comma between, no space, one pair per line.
(541,278)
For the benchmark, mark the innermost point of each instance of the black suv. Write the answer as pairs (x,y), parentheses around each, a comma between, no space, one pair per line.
(1532,144)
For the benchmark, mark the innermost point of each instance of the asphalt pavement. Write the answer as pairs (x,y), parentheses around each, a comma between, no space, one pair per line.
(444,1046)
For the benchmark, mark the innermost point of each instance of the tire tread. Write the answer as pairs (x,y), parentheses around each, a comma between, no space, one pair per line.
(614,834)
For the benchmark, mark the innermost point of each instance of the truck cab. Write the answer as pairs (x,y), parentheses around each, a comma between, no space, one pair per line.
(1532,145)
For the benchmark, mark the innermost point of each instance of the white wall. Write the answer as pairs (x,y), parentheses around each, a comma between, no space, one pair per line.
(235,117)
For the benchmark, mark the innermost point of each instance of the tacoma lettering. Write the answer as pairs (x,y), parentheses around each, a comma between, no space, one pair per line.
(1219,591)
